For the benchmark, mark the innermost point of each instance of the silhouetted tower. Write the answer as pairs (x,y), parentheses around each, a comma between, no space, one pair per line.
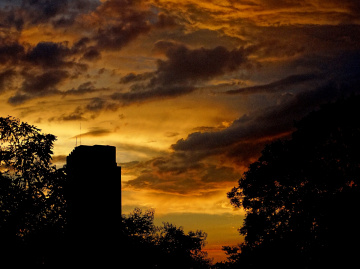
(94,203)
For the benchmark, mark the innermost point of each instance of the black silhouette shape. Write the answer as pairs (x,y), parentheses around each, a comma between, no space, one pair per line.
(94,199)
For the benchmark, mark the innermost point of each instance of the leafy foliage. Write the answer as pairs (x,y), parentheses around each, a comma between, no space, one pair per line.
(32,203)
(302,195)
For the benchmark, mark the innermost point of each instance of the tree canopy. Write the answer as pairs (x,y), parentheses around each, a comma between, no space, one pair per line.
(32,201)
(302,195)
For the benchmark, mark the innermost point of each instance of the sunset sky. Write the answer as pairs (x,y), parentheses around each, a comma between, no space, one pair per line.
(188,91)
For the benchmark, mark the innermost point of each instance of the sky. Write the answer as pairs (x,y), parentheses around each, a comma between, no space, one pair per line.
(188,91)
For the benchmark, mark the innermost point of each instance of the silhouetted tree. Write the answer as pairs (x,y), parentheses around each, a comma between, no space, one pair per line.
(167,246)
(302,195)
(32,204)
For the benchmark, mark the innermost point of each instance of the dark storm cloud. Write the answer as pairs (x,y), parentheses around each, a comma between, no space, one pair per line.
(10,53)
(165,21)
(132,77)
(19,98)
(157,93)
(49,55)
(117,36)
(184,65)
(92,54)
(6,78)
(280,85)
(39,85)
(60,13)
(41,11)
(44,67)
(121,21)
(45,82)
(269,122)
(41,68)
(183,69)
(84,88)
(53,55)
(92,109)
(98,104)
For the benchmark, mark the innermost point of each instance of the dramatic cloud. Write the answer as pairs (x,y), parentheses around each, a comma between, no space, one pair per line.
(120,21)
(39,85)
(49,55)
(180,73)
(60,13)
(45,82)
(10,53)
(184,64)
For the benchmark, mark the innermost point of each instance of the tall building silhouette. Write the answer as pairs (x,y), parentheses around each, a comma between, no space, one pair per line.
(94,204)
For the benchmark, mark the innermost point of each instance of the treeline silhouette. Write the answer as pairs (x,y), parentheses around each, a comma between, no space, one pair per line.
(166,246)
(302,196)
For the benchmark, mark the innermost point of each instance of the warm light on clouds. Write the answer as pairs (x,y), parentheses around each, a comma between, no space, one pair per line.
(188,91)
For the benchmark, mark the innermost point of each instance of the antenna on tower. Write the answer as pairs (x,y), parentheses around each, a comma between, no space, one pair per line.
(80,133)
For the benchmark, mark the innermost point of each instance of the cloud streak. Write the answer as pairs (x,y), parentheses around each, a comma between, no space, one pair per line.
(280,85)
